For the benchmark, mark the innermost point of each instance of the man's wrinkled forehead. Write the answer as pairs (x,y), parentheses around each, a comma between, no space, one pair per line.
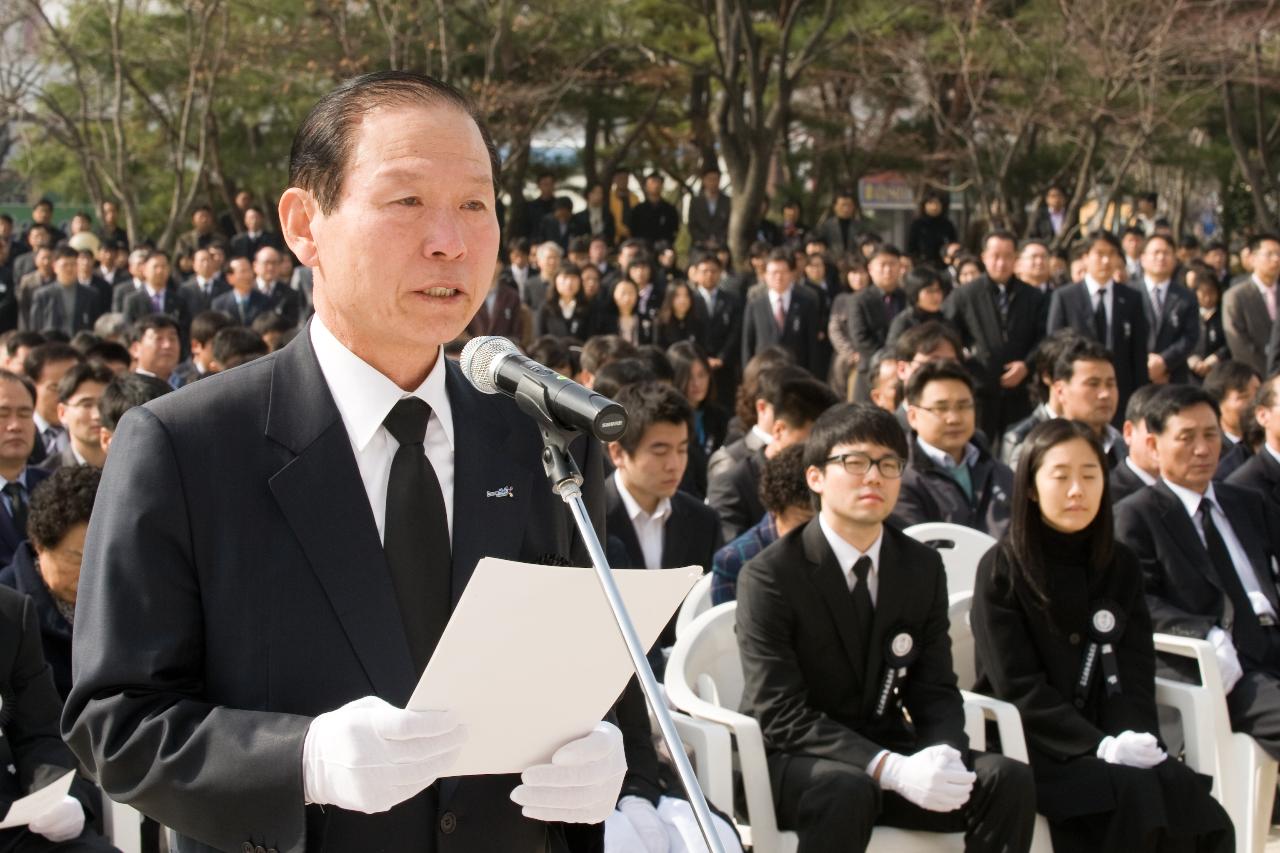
(415,140)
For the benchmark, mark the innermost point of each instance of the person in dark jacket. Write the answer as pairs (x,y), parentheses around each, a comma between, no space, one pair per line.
(931,230)
(564,313)
(693,379)
(1055,592)
(682,317)
(949,476)
(1211,347)
(1140,467)
(924,292)
(47,566)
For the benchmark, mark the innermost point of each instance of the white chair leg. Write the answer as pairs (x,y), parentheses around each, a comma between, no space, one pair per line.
(123,825)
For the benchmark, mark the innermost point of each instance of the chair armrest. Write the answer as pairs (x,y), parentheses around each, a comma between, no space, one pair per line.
(1008,722)
(1201,651)
(712,757)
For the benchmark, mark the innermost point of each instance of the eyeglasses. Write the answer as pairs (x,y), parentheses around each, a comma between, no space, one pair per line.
(858,464)
(945,410)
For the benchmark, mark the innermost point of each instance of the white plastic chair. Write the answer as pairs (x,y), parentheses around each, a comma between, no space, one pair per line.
(960,548)
(704,679)
(123,825)
(1244,776)
(697,602)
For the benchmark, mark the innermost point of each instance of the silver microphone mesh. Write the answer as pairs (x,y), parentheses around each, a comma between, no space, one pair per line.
(480,358)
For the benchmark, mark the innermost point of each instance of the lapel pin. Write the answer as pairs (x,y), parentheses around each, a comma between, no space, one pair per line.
(504,492)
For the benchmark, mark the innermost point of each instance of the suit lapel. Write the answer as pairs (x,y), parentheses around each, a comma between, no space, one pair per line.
(833,589)
(618,523)
(676,537)
(890,596)
(322,497)
(988,313)
(1259,561)
(1182,530)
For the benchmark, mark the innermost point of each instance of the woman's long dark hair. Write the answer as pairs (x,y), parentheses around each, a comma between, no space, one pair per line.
(1023,543)
(683,355)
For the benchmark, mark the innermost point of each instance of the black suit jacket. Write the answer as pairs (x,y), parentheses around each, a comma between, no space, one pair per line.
(202,654)
(55,632)
(10,536)
(139,305)
(226,303)
(285,301)
(869,322)
(734,493)
(929,493)
(244,246)
(807,675)
(120,294)
(1123,482)
(1262,474)
(1071,306)
(1174,334)
(48,311)
(724,330)
(196,299)
(580,224)
(654,221)
(799,335)
(973,310)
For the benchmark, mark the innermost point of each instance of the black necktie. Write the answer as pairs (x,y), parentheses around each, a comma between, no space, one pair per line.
(416,539)
(17,506)
(1100,317)
(1217,548)
(1002,302)
(862,606)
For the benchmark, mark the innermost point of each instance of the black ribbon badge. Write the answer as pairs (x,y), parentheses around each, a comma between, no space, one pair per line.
(1105,628)
(900,651)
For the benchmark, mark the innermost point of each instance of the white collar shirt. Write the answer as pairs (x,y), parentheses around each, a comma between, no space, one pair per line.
(1239,556)
(943,459)
(1275,454)
(765,438)
(784,298)
(847,555)
(650,528)
(1147,479)
(1108,299)
(364,398)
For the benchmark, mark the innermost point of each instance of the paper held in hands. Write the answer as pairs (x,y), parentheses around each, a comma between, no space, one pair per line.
(532,657)
(30,807)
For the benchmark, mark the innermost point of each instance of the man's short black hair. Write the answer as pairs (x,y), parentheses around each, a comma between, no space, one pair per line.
(109,352)
(620,373)
(1268,394)
(1079,348)
(1133,231)
(148,322)
(885,250)
(782,256)
(999,234)
(769,382)
(656,357)
(782,481)
(1172,399)
(518,244)
(649,403)
(1227,376)
(1258,239)
(936,370)
(269,322)
(43,355)
(17,339)
(1103,236)
(236,345)
(1188,241)
(124,392)
(206,324)
(562,203)
(926,338)
(849,423)
(599,350)
(580,245)
(85,371)
(64,252)
(1135,411)
(62,501)
(802,401)
(321,152)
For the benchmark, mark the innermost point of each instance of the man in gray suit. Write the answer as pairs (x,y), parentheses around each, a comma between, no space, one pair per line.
(1249,308)
(709,211)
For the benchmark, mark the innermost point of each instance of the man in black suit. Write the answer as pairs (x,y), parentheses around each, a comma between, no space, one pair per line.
(79,390)
(709,211)
(1084,389)
(281,298)
(1108,313)
(1173,316)
(243,302)
(828,615)
(1051,218)
(542,205)
(1233,385)
(356,480)
(723,336)
(556,227)
(65,304)
(121,292)
(872,310)
(1000,320)
(785,316)
(1140,467)
(1262,471)
(17,477)
(655,218)
(255,236)
(1206,551)
(204,285)
(88,275)
(158,296)
(595,220)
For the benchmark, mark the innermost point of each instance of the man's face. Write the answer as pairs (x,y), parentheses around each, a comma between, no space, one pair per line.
(1090,395)
(80,414)
(655,469)
(998,258)
(598,252)
(944,349)
(266,264)
(652,188)
(47,389)
(1266,260)
(843,207)
(1237,403)
(156,272)
(202,220)
(708,274)
(518,258)
(777,276)
(711,183)
(244,198)
(944,417)
(202,263)
(1269,418)
(108,213)
(84,267)
(44,262)
(157,351)
(240,274)
(885,387)
(1135,436)
(862,500)
(217,258)
(815,270)
(107,258)
(1216,258)
(1132,244)
(1158,260)
(1035,264)
(548,263)
(1055,199)
(438,238)
(546,186)
(37,238)
(64,270)
(41,214)
(17,429)
(1101,261)
(595,196)
(885,272)
(60,565)
(252,220)
(620,181)
(790,214)
(1188,447)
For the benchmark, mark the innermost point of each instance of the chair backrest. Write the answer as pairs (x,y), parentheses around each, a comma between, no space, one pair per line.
(962,641)
(697,602)
(712,668)
(960,548)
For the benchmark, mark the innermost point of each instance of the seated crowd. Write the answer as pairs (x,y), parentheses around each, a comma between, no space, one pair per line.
(1112,431)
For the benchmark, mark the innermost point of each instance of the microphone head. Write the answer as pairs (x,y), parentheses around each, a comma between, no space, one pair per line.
(480,359)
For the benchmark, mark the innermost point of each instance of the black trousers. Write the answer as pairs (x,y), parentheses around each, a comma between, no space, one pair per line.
(1254,707)
(833,806)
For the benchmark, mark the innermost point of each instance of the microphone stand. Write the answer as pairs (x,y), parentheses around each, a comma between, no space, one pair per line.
(566,481)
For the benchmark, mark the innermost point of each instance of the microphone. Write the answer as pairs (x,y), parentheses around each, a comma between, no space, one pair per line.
(494,365)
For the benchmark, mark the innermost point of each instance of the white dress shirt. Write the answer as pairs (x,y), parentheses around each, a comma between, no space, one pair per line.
(847,555)
(1239,557)
(1108,299)
(364,398)
(1274,453)
(784,298)
(1268,296)
(944,460)
(1147,479)
(650,528)
(765,438)
(1157,292)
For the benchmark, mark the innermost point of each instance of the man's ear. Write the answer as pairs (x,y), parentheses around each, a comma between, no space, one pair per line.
(298,210)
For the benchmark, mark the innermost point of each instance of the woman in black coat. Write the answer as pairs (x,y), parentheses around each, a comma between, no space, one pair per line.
(681,317)
(924,290)
(1059,602)
(564,313)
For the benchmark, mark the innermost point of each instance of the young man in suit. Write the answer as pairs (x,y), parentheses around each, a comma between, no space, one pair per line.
(1084,389)
(17,478)
(723,339)
(1000,320)
(356,481)
(1262,471)
(78,393)
(872,310)
(709,212)
(1206,550)
(786,315)
(1249,308)
(158,296)
(1108,313)
(65,305)
(204,285)
(243,302)
(281,298)
(1173,315)
(1233,385)
(828,616)
(1139,468)
(950,476)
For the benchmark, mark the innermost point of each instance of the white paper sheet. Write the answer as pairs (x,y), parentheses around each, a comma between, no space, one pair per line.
(532,658)
(30,807)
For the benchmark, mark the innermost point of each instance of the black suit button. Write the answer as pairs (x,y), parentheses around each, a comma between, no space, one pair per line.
(1079,703)
(1074,639)
(448,822)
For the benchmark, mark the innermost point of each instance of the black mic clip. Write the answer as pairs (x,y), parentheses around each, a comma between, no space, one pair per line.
(532,398)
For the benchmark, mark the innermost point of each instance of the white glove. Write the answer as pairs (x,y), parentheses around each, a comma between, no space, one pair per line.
(368,755)
(646,822)
(581,783)
(63,821)
(1228,662)
(934,778)
(1260,605)
(1132,749)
